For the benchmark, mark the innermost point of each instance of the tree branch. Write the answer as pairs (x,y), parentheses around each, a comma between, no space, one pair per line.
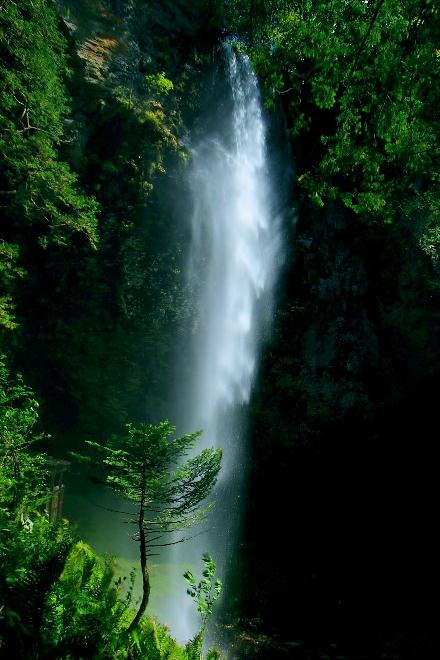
(125,513)
(367,34)
(186,538)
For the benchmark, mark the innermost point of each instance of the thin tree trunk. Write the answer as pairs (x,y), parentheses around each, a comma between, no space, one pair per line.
(144,568)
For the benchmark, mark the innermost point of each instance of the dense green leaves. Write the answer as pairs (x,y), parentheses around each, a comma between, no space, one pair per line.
(205,592)
(41,202)
(40,189)
(23,471)
(84,607)
(363,79)
(32,549)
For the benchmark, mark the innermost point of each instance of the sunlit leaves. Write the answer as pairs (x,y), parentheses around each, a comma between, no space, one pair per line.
(374,67)
(37,185)
(206,591)
(159,84)
(23,469)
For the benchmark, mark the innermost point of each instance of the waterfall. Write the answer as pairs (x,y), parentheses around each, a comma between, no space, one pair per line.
(234,261)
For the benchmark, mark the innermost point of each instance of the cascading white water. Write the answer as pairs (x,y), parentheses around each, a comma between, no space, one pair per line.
(234,262)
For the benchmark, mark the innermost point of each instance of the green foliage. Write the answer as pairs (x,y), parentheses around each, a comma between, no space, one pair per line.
(204,593)
(83,611)
(32,549)
(10,271)
(40,189)
(32,555)
(149,449)
(59,599)
(362,78)
(207,591)
(42,204)
(159,84)
(138,467)
(194,648)
(24,471)
(86,613)
(151,640)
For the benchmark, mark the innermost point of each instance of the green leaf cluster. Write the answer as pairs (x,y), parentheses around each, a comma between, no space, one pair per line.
(32,549)
(359,81)
(23,468)
(40,190)
(159,84)
(205,592)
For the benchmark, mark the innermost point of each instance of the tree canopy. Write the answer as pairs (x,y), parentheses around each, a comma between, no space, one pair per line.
(359,81)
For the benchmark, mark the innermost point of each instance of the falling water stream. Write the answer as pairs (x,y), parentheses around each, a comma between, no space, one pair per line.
(233,265)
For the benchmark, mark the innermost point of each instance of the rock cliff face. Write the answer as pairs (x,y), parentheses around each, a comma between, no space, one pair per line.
(119,41)
(102,31)
(103,334)
(94,328)
(342,437)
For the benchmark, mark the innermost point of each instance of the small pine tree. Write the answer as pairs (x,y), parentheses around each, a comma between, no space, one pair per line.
(137,468)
